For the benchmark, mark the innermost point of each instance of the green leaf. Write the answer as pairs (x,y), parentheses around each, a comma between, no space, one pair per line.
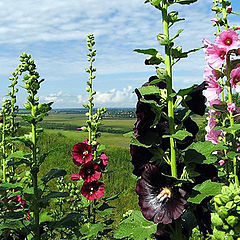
(162,73)
(235,127)
(51,195)
(205,189)
(53,173)
(155,57)
(201,152)
(149,90)
(28,118)
(91,230)
(128,134)
(45,217)
(19,155)
(177,34)
(179,135)
(186,91)
(149,51)
(14,225)
(136,227)
(185,1)
(68,221)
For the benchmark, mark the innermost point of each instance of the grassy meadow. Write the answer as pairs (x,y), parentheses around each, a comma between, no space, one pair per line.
(60,142)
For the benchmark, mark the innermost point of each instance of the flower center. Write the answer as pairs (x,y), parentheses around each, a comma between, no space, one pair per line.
(222,55)
(164,194)
(228,41)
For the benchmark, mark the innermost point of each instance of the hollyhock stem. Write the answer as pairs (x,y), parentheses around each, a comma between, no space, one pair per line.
(230,100)
(90,102)
(169,89)
(34,171)
(224,12)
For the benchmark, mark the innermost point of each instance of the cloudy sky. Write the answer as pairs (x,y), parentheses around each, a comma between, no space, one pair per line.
(54,33)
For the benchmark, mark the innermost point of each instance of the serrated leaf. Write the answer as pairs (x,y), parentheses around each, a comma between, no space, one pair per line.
(179,135)
(136,227)
(149,90)
(91,230)
(201,152)
(19,155)
(53,173)
(205,189)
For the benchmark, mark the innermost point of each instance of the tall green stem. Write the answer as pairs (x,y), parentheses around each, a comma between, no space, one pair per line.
(90,101)
(35,170)
(169,89)
(224,12)
(230,100)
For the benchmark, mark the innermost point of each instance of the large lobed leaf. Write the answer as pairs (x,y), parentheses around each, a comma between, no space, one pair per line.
(135,227)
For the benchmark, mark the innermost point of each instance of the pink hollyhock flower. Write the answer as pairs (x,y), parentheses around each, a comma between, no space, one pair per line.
(215,102)
(221,162)
(104,160)
(231,107)
(213,136)
(90,172)
(227,39)
(210,73)
(92,190)
(79,129)
(75,176)
(212,123)
(215,56)
(82,153)
(213,90)
(235,78)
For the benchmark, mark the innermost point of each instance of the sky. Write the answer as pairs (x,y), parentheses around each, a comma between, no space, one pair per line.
(54,33)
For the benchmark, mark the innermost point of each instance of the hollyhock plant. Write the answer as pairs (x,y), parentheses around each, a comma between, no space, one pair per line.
(215,56)
(235,78)
(227,39)
(82,153)
(90,171)
(159,199)
(231,107)
(92,190)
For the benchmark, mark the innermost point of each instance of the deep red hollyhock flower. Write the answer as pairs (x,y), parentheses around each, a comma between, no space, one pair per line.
(196,100)
(140,156)
(75,176)
(90,171)
(82,153)
(159,199)
(92,190)
(104,161)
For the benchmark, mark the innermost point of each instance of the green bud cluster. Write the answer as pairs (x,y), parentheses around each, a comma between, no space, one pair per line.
(94,120)
(225,219)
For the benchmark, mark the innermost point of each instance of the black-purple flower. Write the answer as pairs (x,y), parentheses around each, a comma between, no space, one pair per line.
(159,199)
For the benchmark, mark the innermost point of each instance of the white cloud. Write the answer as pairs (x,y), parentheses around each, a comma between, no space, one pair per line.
(116,98)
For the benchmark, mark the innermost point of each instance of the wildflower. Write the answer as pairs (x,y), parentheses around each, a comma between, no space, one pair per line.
(215,56)
(82,153)
(92,190)
(213,136)
(235,78)
(104,161)
(159,199)
(221,162)
(231,107)
(227,39)
(75,176)
(90,171)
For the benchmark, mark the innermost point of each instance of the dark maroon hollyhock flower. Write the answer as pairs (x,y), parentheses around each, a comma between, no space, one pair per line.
(82,153)
(90,171)
(197,100)
(159,199)
(92,190)
(160,235)
(104,161)
(140,156)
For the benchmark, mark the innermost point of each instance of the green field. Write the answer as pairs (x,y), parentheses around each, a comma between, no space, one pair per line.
(119,181)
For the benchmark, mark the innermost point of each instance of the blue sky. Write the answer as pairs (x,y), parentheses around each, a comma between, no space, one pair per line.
(54,33)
